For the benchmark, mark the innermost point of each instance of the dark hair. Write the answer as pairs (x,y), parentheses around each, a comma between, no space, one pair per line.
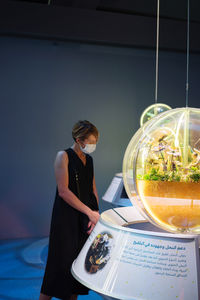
(83,129)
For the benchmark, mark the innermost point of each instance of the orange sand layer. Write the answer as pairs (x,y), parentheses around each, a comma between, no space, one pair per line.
(167,189)
(172,204)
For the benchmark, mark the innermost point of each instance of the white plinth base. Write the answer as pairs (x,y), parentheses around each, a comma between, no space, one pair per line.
(139,262)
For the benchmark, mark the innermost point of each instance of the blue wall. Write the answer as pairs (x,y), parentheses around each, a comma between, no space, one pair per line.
(45,88)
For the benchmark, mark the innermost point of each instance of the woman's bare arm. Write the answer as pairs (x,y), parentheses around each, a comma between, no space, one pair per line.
(62,179)
(90,224)
(95,190)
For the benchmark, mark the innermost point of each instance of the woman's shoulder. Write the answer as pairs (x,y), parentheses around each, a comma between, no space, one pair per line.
(68,150)
(61,153)
(61,161)
(61,156)
(64,153)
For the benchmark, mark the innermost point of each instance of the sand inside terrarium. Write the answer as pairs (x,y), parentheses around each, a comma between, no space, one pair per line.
(173,205)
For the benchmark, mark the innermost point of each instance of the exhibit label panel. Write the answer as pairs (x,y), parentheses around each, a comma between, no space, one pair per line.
(133,264)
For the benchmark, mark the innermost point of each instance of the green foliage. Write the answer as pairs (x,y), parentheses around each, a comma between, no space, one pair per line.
(194,169)
(195,177)
(156,176)
(175,177)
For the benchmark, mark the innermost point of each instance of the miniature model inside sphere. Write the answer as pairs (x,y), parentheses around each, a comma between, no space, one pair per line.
(166,170)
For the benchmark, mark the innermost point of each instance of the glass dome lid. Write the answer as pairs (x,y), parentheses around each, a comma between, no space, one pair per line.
(152,111)
(161,170)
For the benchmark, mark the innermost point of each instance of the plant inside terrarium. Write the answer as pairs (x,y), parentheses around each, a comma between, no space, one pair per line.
(166,161)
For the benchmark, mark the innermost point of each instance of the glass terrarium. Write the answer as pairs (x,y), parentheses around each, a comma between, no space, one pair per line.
(161,170)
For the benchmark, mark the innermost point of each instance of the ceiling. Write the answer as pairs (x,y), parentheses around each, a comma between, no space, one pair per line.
(129,23)
(172,9)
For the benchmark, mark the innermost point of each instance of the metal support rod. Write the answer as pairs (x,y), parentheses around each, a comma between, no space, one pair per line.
(188,49)
(157,48)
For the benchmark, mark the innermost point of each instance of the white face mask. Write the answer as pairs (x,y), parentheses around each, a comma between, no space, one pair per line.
(89,148)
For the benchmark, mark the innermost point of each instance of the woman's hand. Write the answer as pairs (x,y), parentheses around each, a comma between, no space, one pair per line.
(90,227)
(94,217)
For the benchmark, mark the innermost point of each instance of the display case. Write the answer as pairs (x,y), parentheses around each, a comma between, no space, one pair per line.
(162,170)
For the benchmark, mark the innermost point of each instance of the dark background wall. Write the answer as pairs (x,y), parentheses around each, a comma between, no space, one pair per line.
(45,87)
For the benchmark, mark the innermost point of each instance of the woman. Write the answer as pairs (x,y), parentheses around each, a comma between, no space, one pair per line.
(75,213)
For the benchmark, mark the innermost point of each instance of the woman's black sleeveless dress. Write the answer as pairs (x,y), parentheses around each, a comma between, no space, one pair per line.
(68,233)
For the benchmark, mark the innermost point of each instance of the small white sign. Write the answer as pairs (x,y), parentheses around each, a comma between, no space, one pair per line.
(113,188)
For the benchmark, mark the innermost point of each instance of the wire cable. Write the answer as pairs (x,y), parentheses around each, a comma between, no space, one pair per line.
(120,215)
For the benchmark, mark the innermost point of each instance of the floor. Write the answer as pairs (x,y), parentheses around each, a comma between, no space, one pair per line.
(22,263)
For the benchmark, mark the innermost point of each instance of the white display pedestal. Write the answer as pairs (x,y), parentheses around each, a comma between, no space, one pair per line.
(126,257)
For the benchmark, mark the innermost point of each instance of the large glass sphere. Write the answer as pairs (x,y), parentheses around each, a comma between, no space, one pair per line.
(152,111)
(161,170)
